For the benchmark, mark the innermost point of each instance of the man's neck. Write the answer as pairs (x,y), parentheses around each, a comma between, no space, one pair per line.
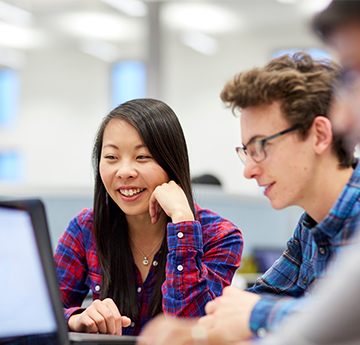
(326,191)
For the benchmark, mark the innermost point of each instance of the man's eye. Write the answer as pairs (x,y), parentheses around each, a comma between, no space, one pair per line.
(251,151)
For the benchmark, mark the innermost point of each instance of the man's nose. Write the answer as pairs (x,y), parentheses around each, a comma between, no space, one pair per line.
(252,169)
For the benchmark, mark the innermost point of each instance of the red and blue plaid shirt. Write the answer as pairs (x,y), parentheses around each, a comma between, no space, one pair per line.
(203,257)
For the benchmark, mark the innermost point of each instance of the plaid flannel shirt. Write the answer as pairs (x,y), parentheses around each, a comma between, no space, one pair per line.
(203,257)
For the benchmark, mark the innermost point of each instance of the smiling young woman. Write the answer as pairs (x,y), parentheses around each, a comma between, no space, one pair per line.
(145,247)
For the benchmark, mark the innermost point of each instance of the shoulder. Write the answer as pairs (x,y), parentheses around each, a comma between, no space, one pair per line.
(81,226)
(85,216)
(205,216)
(210,220)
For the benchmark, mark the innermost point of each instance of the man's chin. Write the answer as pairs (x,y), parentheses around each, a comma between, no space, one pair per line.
(277,205)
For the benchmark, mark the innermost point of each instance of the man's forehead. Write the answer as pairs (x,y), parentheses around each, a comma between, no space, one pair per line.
(262,115)
(262,121)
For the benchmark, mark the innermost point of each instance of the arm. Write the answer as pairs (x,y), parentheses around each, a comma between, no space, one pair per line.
(203,253)
(332,313)
(287,279)
(203,256)
(70,261)
(239,314)
(78,270)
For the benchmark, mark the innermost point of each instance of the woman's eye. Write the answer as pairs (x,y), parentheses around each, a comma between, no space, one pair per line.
(143,157)
(110,157)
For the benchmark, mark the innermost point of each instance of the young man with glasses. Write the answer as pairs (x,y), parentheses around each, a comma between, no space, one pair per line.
(334,313)
(290,149)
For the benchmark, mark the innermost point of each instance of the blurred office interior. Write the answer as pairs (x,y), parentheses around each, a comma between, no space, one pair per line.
(64,64)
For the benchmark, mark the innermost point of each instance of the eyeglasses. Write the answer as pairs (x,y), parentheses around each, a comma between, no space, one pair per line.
(256,147)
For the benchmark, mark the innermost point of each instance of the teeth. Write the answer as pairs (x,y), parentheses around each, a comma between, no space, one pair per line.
(131,192)
(267,186)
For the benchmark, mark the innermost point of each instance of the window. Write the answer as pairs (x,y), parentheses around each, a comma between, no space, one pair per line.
(315,53)
(11,161)
(128,81)
(9,98)
(11,170)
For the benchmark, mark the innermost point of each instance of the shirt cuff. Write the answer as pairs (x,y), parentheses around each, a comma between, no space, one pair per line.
(185,234)
(71,311)
(270,311)
(260,315)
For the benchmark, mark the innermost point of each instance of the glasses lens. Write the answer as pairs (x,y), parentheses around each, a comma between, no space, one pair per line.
(241,153)
(256,151)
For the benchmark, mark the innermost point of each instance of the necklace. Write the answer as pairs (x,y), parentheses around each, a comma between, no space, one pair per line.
(145,261)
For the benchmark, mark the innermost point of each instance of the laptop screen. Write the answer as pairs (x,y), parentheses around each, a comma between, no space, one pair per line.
(25,302)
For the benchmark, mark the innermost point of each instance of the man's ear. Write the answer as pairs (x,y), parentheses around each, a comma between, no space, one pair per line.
(322,130)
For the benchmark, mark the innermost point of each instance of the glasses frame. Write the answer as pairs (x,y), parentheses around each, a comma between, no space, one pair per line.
(242,150)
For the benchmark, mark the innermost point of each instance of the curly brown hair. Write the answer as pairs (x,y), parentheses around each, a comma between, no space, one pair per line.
(303,85)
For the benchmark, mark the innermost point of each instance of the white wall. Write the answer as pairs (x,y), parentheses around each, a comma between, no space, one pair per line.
(66,93)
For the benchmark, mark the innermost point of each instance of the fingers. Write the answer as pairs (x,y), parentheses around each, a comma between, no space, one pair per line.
(170,198)
(151,330)
(154,208)
(210,307)
(125,321)
(164,331)
(207,321)
(112,317)
(102,316)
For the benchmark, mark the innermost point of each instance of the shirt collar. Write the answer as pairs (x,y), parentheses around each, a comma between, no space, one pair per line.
(343,206)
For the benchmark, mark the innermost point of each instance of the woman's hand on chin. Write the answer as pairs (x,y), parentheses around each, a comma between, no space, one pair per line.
(170,198)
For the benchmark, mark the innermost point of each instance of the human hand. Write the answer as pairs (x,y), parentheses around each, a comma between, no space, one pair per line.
(164,331)
(170,198)
(229,314)
(101,316)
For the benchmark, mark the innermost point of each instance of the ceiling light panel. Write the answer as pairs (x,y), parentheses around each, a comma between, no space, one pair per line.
(18,37)
(98,25)
(310,7)
(200,42)
(204,17)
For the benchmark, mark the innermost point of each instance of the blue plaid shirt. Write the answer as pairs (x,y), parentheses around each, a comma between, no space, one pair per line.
(308,253)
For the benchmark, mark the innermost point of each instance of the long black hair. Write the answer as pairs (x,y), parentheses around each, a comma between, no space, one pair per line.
(161,132)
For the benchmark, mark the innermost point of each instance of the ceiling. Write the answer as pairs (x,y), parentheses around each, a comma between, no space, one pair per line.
(97,26)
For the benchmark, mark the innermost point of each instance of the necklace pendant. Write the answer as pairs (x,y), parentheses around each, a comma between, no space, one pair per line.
(145,261)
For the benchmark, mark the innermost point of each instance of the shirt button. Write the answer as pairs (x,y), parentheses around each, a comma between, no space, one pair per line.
(305,280)
(155,263)
(180,235)
(132,324)
(261,332)
(139,289)
(322,250)
(97,288)
(180,268)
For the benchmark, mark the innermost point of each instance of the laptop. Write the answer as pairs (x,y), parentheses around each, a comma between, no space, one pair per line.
(30,302)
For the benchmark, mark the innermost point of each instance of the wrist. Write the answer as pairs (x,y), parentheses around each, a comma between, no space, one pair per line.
(182,216)
(72,321)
